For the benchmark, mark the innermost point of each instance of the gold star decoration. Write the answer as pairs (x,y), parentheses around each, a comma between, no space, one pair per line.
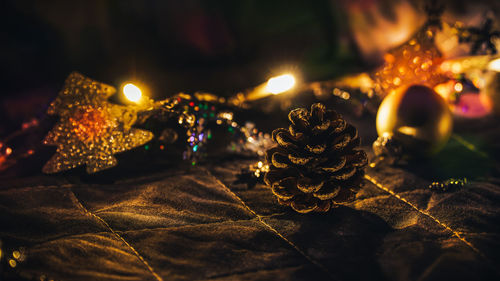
(415,62)
(90,129)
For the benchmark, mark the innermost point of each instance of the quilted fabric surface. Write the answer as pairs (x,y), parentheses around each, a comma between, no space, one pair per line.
(199,224)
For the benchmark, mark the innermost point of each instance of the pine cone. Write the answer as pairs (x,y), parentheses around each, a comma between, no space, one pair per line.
(316,164)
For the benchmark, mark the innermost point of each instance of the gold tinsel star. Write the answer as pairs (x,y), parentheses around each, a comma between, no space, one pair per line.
(415,62)
(90,129)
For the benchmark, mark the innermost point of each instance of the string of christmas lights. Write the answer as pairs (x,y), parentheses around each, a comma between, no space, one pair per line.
(91,129)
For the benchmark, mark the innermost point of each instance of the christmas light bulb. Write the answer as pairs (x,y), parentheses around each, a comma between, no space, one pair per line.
(280,84)
(494,65)
(132,92)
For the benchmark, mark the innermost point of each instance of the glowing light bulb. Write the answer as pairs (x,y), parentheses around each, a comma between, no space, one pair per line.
(494,65)
(132,92)
(280,84)
(459,87)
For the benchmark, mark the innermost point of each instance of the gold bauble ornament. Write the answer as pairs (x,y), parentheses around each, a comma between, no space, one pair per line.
(417,117)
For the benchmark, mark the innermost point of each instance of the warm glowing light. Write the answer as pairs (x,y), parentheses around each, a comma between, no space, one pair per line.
(16,254)
(280,84)
(407,130)
(444,90)
(456,67)
(396,81)
(132,92)
(445,66)
(494,65)
(459,87)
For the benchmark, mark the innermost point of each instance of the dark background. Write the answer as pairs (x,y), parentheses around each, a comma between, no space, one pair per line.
(220,46)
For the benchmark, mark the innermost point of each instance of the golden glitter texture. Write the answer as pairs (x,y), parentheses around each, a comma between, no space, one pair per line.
(90,130)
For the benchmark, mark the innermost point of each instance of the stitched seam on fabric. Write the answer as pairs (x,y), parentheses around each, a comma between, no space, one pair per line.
(37,187)
(185,226)
(154,228)
(436,220)
(62,237)
(150,269)
(269,227)
(195,225)
(142,229)
(251,271)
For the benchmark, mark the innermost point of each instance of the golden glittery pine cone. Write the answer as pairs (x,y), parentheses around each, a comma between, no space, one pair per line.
(317,163)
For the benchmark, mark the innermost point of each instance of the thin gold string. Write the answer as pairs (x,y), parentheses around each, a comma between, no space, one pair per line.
(445,226)
(269,227)
(86,211)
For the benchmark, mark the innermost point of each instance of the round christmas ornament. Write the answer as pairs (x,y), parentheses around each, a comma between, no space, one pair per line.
(317,163)
(417,118)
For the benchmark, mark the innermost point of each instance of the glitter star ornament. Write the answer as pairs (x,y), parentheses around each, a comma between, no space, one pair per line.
(90,130)
(415,61)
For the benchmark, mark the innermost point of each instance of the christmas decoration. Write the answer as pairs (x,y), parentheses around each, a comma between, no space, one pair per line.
(357,89)
(5,152)
(250,139)
(90,129)
(447,185)
(417,118)
(317,163)
(11,258)
(464,98)
(275,85)
(20,144)
(470,91)
(245,139)
(414,62)
(253,174)
(386,150)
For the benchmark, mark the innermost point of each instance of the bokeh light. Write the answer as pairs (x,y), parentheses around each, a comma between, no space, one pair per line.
(280,84)
(132,92)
